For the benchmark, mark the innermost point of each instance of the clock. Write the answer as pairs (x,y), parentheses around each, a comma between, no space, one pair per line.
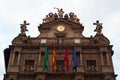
(60,28)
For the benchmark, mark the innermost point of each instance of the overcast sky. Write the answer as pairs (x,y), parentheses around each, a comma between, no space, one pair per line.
(14,12)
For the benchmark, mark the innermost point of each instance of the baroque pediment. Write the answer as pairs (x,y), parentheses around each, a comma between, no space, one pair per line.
(68,26)
(60,22)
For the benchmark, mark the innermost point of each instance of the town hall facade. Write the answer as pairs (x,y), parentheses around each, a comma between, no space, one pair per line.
(60,52)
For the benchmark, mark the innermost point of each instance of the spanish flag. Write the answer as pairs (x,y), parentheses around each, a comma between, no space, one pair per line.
(54,59)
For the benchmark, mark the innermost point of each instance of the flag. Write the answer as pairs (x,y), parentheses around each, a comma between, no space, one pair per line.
(75,64)
(45,58)
(66,59)
(54,59)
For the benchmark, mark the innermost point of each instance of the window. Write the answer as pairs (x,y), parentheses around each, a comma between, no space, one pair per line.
(91,66)
(60,64)
(29,65)
(91,62)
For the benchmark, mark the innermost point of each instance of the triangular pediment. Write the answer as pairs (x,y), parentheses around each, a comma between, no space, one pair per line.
(61,21)
(70,28)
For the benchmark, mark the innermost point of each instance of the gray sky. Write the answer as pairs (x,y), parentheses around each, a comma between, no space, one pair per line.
(14,12)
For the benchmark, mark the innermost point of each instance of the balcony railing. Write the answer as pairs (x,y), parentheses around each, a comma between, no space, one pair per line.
(27,68)
(60,69)
(31,69)
(92,69)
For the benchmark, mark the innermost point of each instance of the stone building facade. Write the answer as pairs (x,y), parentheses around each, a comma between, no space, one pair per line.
(24,59)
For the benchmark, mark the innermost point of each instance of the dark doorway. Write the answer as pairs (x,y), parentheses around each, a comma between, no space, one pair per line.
(60,66)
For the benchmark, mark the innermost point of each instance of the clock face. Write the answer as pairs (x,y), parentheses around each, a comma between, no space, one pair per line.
(60,28)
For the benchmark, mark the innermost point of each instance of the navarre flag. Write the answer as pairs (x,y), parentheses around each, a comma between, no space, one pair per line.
(45,58)
(54,59)
(75,64)
(66,60)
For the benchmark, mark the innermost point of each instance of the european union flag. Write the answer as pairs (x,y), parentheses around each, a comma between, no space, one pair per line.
(74,59)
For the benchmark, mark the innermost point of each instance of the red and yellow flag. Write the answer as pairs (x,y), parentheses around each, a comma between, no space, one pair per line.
(54,59)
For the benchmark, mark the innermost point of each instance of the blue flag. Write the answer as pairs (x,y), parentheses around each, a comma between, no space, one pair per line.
(74,59)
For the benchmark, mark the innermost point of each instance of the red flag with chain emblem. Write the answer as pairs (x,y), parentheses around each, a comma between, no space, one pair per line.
(66,59)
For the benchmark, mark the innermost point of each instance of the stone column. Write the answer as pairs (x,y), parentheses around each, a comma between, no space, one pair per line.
(18,60)
(107,54)
(38,66)
(102,59)
(81,57)
(12,58)
(39,58)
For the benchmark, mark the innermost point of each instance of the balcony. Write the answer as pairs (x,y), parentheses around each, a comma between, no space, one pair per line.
(27,69)
(90,69)
(60,69)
